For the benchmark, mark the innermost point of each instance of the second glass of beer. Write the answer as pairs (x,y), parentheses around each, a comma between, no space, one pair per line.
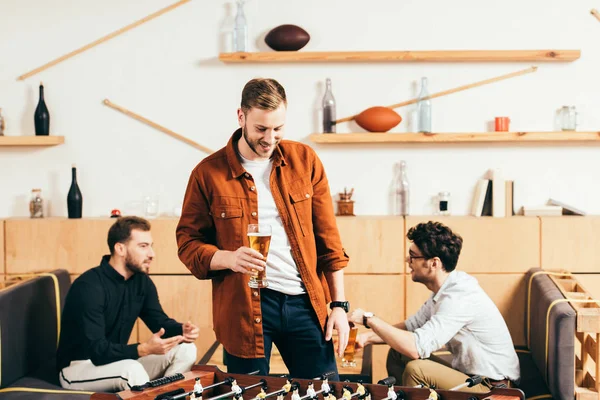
(348,359)
(259,237)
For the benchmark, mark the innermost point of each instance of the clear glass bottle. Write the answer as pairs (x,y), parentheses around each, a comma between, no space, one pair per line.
(240,29)
(328,109)
(568,118)
(401,190)
(444,203)
(424,108)
(36,204)
(2,123)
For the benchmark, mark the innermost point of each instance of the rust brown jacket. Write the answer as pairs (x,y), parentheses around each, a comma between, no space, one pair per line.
(220,201)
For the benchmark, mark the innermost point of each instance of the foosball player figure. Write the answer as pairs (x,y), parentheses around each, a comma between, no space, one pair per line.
(288,386)
(325,386)
(262,394)
(310,391)
(235,387)
(391,395)
(432,395)
(295,394)
(360,389)
(346,394)
(198,386)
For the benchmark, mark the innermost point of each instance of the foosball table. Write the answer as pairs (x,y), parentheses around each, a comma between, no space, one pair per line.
(208,382)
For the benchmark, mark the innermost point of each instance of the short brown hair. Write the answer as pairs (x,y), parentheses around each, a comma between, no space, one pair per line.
(435,239)
(120,231)
(264,94)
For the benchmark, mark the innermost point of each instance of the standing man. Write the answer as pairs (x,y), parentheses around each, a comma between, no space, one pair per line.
(100,310)
(458,314)
(259,178)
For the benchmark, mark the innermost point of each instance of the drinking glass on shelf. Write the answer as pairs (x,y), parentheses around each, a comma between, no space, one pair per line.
(259,237)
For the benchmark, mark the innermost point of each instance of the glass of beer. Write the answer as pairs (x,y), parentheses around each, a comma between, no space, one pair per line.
(348,359)
(259,237)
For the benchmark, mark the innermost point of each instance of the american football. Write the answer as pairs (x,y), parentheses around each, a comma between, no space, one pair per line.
(378,119)
(287,38)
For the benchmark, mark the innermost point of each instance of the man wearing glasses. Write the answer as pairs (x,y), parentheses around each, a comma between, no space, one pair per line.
(458,315)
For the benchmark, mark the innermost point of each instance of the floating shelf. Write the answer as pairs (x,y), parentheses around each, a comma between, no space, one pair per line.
(31,140)
(401,56)
(372,137)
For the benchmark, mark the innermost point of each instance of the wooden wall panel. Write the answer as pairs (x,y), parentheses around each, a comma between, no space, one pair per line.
(50,243)
(493,244)
(78,245)
(571,243)
(374,244)
(185,298)
(591,282)
(2,257)
(507,291)
(380,294)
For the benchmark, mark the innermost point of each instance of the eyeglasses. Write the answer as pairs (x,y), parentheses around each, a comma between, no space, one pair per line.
(409,259)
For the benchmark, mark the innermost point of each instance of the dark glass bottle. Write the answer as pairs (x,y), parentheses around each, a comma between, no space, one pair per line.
(74,198)
(42,116)
(328,109)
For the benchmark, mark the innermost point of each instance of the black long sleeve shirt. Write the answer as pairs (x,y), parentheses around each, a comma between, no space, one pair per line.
(99,314)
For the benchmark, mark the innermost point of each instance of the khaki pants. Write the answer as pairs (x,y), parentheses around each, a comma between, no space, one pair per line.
(433,372)
(121,375)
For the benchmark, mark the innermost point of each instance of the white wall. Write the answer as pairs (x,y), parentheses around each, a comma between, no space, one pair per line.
(168,71)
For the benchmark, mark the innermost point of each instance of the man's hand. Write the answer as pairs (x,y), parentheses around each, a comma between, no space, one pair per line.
(356,316)
(245,260)
(362,340)
(338,321)
(190,332)
(157,345)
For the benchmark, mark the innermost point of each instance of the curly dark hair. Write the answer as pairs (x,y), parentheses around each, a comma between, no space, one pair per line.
(435,239)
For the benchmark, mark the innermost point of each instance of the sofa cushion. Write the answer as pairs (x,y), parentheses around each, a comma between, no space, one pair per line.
(28,327)
(554,357)
(40,390)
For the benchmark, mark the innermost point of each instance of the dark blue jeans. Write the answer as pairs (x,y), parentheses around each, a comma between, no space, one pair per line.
(291,323)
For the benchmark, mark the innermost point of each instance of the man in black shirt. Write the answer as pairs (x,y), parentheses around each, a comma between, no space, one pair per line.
(99,314)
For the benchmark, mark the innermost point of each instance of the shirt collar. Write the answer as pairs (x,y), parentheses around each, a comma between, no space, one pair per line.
(109,270)
(449,279)
(233,160)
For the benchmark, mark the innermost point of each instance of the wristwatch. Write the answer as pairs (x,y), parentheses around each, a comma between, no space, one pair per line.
(366,316)
(343,304)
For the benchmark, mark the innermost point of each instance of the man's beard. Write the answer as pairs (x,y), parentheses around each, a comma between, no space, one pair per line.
(255,145)
(134,266)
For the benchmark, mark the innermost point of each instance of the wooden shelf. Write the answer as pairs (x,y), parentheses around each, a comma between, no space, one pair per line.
(31,140)
(401,56)
(372,137)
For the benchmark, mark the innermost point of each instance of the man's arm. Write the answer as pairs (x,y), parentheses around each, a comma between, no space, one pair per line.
(395,336)
(195,231)
(88,303)
(330,253)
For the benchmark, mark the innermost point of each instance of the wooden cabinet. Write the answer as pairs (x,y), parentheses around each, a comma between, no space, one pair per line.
(374,244)
(571,243)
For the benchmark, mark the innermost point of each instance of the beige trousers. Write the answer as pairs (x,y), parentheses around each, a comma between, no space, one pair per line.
(433,372)
(120,375)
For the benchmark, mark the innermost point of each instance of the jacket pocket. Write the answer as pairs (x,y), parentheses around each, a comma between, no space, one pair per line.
(228,224)
(301,199)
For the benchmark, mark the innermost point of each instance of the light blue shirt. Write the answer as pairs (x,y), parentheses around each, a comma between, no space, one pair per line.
(463,317)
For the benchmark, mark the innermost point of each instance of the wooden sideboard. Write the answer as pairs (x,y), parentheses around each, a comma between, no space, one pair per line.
(497,251)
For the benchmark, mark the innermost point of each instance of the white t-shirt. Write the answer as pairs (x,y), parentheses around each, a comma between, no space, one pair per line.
(282,271)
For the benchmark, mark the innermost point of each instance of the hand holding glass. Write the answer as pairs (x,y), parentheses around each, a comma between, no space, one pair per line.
(259,237)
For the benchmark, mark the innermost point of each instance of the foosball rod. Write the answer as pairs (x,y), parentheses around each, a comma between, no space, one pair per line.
(470,382)
(233,392)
